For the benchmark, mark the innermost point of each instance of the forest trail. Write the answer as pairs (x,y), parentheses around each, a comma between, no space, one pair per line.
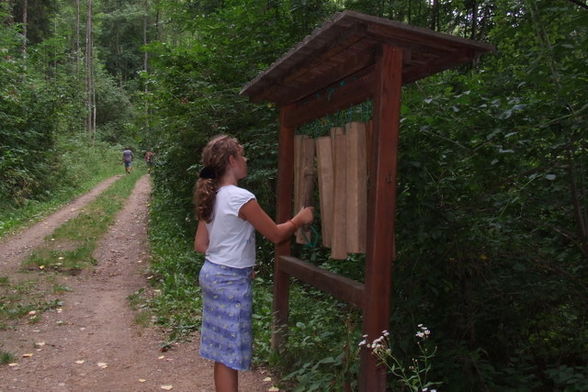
(93,343)
(16,247)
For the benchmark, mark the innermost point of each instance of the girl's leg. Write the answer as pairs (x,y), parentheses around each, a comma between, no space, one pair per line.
(225,378)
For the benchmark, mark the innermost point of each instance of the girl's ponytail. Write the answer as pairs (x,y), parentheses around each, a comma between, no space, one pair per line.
(204,196)
(215,158)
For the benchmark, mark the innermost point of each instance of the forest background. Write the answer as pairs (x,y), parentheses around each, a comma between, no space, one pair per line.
(492,224)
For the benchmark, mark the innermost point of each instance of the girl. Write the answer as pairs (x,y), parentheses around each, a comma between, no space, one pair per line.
(228,217)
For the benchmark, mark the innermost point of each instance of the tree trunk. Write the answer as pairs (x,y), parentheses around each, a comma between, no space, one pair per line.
(145,21)
(24,26)
(90,89)
(474,19)
(158,31)
(435,15)
(146,59)
(77,39)
(409,12)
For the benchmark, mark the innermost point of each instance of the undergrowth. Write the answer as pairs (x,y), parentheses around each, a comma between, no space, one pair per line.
(175,301)
(321,352)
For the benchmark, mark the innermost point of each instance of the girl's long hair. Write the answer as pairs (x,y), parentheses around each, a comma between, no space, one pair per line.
(215,157)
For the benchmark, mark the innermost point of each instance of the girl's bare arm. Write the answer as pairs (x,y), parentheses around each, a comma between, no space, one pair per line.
(201,240)
(254,214)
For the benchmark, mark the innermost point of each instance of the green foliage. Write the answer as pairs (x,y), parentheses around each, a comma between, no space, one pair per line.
(492,205)
(84,163)
(174,268)
(40,107)
(39,15)
(194,85)
(492,189)
(27,133)
(490,202)
(120,38)
(410,376)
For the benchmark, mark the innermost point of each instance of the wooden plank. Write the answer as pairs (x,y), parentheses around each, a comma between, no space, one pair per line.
(331,74)
(334,132)
(369,130)
(356,194)
(283,211)
(306,178)
(384,31)
(309,172)
(338,286)
(328,102)
(335,44)
(326,183)
(381,213)
(338,243)
(450,60)
(298,146)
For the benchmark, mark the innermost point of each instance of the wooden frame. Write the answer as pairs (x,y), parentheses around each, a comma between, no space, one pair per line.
(349,60)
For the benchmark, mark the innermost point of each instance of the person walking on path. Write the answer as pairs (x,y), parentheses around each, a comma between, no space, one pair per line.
(227,219)
(127,158)
(149,155)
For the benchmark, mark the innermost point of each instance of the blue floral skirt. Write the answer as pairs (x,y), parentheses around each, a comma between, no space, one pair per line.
(226,336)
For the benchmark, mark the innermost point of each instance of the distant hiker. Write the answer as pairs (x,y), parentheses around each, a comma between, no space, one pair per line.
(228,217)
(149,160)
(127,158)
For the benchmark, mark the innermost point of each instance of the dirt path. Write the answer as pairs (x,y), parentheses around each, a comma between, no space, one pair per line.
(93,343)
(16,247)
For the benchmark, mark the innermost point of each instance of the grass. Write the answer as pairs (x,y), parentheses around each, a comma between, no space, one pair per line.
(69,248)
(20,299)
(321,353)
(175,300)
(6,357)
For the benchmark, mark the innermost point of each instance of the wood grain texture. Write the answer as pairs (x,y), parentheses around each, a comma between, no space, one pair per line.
(356,195)
(326,180)
(339,240)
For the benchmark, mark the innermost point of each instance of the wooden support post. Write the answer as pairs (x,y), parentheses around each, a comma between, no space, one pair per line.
(381,213)
(284,209)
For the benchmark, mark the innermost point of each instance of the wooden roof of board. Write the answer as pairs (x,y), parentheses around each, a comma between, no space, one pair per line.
(348,45)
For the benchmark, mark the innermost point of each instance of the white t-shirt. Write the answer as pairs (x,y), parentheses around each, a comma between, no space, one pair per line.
(231,239)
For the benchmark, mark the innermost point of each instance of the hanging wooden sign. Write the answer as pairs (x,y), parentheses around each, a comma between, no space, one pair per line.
(304,175)
(356,185)
(326,181)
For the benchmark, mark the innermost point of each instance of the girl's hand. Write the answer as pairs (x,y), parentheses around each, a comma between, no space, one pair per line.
(304,217)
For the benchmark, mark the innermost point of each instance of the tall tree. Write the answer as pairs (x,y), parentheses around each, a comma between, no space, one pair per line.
(77,37)
(90,72)
(25,22)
